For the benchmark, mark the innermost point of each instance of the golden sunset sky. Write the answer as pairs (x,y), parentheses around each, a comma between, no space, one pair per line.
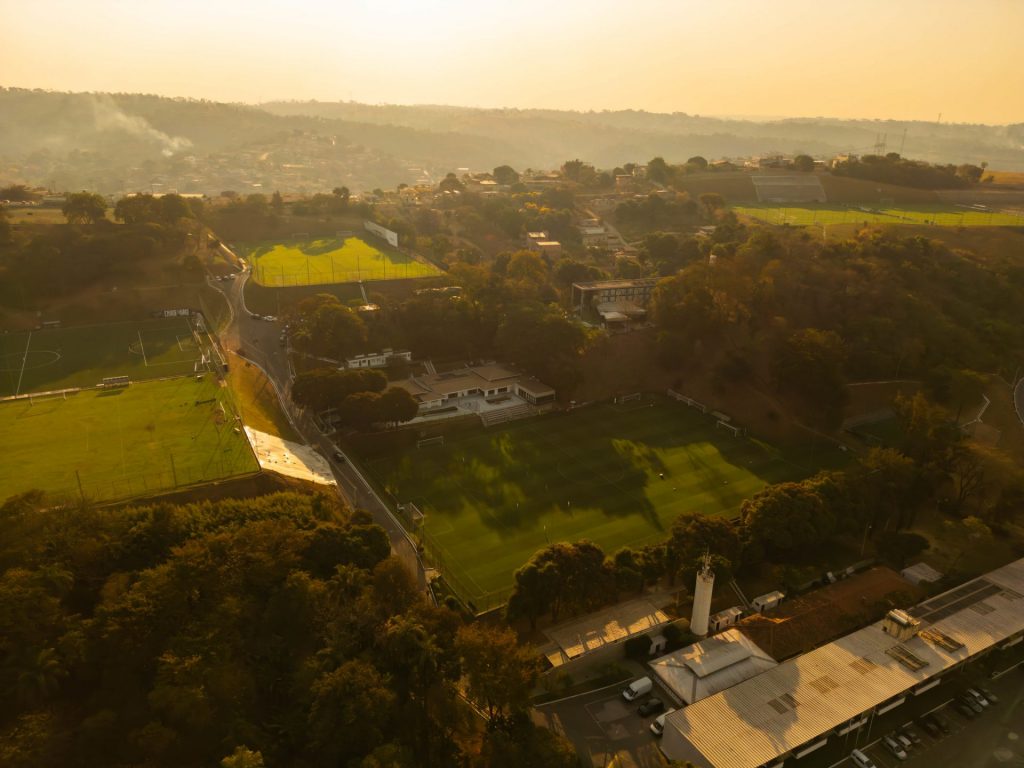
(901,59)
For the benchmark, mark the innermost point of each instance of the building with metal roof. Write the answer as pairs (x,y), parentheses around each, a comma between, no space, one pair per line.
(712,665)
(794,708)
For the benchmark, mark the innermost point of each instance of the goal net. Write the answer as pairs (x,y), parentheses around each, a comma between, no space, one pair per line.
(630,398)
(426,442)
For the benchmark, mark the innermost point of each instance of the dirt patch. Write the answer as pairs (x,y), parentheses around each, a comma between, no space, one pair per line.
(805,622)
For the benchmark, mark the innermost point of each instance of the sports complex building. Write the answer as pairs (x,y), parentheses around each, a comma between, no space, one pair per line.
(793,709)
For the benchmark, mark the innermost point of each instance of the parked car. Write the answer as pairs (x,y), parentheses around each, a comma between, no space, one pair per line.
(970,701)
(651,707)
(903,741)
(911,734)
(992,698)
(637,688)
(658,726)
(933,721)
(975,694)
(930,727)
(964,710)
(895,748)
(861,760)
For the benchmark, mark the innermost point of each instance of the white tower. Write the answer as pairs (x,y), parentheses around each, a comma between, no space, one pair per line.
(702,597)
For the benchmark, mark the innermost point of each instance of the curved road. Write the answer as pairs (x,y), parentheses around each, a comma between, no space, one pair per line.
(259,340)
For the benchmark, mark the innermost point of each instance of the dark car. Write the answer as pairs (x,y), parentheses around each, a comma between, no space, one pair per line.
(930,727)
(910,734)
(935,725)
(963,710)
(651,707)
(970,701)
(992,698)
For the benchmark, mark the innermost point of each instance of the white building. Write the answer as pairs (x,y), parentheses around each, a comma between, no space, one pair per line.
(712,665)
(798,706)
(378,359)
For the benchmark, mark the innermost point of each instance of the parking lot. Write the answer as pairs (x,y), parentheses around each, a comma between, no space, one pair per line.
(993,738)
(606,728)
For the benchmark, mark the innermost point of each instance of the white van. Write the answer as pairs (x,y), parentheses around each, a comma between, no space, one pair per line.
(658,726)
(637,688)
(861,760)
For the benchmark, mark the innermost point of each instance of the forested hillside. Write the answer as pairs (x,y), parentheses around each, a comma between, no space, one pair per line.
(274,631)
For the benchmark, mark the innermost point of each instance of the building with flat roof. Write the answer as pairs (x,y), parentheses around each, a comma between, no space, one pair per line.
(712,665)
(796,707)
(603,632)
(378,359)
(613,302)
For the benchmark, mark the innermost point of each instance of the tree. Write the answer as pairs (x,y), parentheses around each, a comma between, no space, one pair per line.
(898,548)
(342,193)
(351,706)
(243,757)
(803,163)
(693,534)
(5,228)
(711,202)
(277,202)
(698,163)
(84,208)
(323,326)
(500,674)
(397,405)
(787,518)
(659,171)
(451,183)
(506,175)
(361,410)
(809,370)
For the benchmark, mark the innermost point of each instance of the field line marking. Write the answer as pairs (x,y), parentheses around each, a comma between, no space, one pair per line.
(142,347)
(24,360)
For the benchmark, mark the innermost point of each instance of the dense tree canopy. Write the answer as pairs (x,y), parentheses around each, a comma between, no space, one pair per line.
(241,633)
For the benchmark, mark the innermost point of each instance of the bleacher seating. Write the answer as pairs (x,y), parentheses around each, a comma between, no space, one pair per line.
(504,415)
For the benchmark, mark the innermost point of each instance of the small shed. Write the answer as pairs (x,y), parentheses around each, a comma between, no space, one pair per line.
(920,573)
(767,601)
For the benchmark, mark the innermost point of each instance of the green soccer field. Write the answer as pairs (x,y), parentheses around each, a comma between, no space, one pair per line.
(493,498)
(144,438)
(331,260)
(819,215)
(82,356)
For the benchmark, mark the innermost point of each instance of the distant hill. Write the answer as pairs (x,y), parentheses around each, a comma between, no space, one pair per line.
(126,142)
(610,138)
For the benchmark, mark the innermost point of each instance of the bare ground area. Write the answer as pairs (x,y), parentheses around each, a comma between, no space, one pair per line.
(806,622)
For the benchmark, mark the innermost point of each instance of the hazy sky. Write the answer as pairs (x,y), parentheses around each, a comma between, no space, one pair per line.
(869,58)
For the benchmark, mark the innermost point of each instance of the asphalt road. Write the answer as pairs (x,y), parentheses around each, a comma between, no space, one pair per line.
(259,341)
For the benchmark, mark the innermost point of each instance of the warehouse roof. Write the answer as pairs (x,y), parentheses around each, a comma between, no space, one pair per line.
(778,711)
(712,665)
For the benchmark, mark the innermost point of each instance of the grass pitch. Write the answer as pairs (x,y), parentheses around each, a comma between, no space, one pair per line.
(145,438)
(822,215)
(493,498)
(58,358)
(331,260)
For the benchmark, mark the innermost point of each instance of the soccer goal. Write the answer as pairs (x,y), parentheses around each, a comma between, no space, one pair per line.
(429,441)
(736,431)
(57,394)
(414,514)
(630,398)
(115,381)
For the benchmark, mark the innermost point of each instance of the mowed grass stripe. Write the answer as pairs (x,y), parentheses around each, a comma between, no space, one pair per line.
(81,356)
(121,442)
(943,216)
(492,498)
(325,261)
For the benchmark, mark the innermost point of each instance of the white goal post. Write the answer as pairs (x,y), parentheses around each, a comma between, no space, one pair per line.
(736,431)
(428,441)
